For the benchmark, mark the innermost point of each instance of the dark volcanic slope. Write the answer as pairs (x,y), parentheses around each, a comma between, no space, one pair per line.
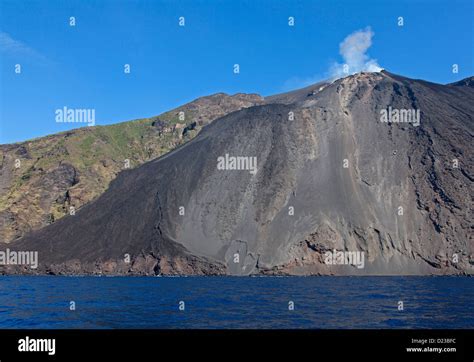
(297,95)
(468,82)
(70,169)
(300,165)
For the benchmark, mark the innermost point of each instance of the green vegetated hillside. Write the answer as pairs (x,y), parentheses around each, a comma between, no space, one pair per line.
(43,179)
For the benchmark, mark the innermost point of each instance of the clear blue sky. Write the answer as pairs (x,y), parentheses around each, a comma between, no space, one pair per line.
(82,66)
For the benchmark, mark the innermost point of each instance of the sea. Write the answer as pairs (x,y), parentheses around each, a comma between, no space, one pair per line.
(52,302)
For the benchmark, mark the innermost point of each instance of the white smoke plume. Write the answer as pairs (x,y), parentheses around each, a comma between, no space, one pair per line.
(353,50)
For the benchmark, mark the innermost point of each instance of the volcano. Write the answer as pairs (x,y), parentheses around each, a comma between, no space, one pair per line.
(332,174)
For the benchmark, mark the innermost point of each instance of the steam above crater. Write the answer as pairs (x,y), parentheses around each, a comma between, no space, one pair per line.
(353,50)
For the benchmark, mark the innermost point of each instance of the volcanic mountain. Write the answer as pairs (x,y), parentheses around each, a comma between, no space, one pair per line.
(42,179)
(374,163)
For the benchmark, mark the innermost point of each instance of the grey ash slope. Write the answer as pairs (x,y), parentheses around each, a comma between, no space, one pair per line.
(467,82)
(300,164)
(296,95)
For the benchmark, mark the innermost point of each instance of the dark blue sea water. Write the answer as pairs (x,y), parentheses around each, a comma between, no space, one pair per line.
(236,302)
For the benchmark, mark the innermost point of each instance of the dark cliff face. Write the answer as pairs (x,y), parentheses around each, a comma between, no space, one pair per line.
(330,175)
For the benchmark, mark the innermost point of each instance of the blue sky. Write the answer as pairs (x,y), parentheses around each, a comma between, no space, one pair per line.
(83,66)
